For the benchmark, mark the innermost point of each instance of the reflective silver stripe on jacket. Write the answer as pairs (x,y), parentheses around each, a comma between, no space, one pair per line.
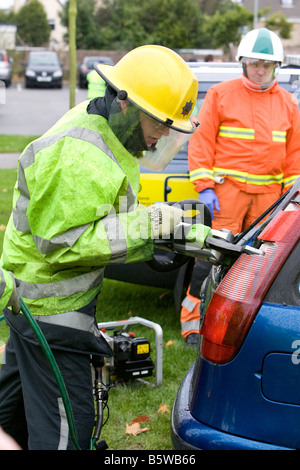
(2,283)
(82,283)
(116,238)
(63,240)
(76,320)
(64,426)
(20,219)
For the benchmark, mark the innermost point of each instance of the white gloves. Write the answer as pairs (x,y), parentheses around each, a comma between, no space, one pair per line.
(164,219)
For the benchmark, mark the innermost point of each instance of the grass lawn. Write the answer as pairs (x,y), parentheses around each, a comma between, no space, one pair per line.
(133,400)
(14,143)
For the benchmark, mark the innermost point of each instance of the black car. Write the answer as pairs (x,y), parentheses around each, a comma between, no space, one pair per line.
(43,69)
(88,65)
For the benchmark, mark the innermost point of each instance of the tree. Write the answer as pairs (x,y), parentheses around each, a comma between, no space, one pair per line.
(125,24)
(278,23)
(72,49)
(209,7)
(32,23)
(87,34)
(224,27)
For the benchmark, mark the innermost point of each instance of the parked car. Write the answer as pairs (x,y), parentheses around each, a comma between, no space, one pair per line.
(242,392)
(43,69)
(173,184)
(5,68)
(88,65)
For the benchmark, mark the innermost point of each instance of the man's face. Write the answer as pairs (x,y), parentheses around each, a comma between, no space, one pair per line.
(152,129)
(260,72)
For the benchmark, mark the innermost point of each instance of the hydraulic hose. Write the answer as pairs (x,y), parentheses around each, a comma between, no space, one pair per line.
(53,364)
(60,382)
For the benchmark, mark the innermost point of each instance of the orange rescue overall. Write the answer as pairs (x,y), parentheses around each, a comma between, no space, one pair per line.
(247,148)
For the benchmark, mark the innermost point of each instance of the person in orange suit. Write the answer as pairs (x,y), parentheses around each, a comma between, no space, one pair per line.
(246,151)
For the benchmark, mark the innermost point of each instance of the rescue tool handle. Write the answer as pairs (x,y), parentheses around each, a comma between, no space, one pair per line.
(163,262)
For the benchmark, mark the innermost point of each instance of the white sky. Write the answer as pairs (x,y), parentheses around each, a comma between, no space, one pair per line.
(9,3)
(6,4)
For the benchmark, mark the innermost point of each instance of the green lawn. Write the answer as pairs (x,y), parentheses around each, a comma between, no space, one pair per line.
(118,301)
(14,143)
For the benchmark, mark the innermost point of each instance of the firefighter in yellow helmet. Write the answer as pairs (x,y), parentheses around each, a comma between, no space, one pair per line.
(74,212)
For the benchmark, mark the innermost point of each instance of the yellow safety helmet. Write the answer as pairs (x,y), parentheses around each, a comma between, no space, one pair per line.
(158,81)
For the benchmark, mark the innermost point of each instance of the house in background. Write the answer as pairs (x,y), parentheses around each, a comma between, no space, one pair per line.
(289,8)
(52,9)
(8,36)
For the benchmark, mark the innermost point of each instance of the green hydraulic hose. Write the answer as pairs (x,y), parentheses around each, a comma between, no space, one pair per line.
(53,364)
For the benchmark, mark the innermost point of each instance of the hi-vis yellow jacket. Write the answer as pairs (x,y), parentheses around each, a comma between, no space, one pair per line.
(74,212)
(251,137)
(96,85)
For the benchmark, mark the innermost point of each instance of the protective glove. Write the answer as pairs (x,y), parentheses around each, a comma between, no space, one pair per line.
(14,301)
(196,234)
(164,219)
(209,197)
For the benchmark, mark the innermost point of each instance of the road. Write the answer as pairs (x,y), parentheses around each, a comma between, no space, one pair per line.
(34,111)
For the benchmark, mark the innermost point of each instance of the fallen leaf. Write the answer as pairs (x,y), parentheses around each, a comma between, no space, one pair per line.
(135,429)
(140,419)
(2,227)
(163,295)
(4,190)
(163,408)
(169,343)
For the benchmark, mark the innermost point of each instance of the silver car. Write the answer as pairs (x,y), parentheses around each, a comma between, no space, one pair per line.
(5,68)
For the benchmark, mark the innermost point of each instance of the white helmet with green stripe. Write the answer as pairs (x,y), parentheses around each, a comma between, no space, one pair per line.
(261,44)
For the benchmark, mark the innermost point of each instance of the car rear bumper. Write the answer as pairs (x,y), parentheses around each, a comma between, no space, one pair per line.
(189,434)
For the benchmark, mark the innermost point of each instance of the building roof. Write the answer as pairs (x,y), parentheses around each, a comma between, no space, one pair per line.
(290,8)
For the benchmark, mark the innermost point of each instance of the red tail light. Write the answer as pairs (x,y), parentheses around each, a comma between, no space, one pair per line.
(237,299)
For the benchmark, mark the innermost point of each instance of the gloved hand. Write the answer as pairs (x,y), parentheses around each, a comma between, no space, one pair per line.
(14,301)
(209,197)
(164,219)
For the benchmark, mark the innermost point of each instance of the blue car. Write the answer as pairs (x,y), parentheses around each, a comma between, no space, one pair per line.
(243,391)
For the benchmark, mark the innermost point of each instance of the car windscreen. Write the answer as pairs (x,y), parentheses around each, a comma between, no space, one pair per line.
(43,59)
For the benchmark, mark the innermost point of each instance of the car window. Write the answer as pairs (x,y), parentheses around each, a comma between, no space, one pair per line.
(43,59)
(90,63)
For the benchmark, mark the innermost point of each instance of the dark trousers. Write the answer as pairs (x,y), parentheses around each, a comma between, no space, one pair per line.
(31,407)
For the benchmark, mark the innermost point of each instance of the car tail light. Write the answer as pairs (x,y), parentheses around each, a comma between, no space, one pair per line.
(237,299)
